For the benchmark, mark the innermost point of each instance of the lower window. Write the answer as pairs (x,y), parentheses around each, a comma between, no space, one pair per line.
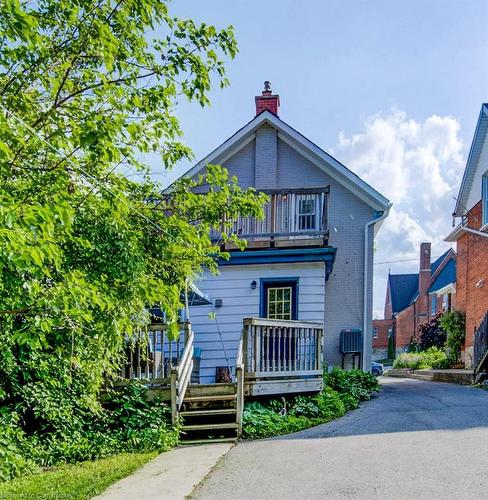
(279,299)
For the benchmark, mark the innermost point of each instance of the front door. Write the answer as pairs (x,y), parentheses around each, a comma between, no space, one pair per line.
(280,302)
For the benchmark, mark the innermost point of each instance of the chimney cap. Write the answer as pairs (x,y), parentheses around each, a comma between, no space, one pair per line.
(267,86)
(267,100)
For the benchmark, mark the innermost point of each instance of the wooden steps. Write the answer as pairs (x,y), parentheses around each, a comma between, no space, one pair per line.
(209,414)
(209,399)
(202,427)
(200,413)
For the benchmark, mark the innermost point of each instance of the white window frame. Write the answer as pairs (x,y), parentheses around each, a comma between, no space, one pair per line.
(307,216)
(282,301)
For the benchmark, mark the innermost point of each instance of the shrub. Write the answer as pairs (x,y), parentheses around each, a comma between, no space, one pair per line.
(431,358)
(361,385)
(128,424)
(431,334)
(453,323)
(391,348)
(342,392)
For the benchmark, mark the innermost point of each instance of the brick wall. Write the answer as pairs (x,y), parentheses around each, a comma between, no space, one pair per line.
(405,327)
(382,326)
(472,276)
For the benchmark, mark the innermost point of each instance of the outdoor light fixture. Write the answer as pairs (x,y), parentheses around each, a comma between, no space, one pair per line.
(253,285)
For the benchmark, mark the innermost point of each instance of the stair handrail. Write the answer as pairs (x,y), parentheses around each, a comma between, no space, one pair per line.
(181,375)
(240,380)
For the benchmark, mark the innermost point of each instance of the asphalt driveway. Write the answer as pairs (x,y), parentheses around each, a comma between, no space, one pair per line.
(417,440)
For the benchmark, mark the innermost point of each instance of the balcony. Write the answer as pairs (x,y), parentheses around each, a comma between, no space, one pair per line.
(291,218)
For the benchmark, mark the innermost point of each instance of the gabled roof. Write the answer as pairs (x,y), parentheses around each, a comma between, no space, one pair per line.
(472,163)
(438,261)
(445,277)
(402,288)
(307,148)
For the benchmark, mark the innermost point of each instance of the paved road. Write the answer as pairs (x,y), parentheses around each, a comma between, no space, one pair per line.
(417,440)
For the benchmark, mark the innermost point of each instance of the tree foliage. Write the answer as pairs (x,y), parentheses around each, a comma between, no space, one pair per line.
(87,87)
(431,334)
(454,324)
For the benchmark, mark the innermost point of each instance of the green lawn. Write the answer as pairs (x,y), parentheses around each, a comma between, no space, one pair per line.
(76,482)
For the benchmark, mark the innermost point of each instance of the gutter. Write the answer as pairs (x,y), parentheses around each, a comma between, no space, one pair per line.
(456,232)
(381,218)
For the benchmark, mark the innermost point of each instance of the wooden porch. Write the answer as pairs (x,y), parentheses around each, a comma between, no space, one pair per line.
(274,357)
(281,356)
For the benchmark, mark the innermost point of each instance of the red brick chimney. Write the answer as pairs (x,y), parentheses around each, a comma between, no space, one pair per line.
(424,279)
(267,101)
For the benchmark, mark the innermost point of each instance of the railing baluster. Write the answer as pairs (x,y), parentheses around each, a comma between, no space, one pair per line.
(278,331)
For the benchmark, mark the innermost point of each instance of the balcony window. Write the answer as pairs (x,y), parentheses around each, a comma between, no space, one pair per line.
(306,213)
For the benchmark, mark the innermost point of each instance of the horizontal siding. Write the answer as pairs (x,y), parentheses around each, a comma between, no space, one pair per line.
(233,286)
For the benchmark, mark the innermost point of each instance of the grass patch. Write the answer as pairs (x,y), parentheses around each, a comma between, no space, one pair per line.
(76,482)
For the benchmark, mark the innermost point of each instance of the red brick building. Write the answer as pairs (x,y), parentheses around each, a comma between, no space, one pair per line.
(471,235)
(382,330)
(412,299)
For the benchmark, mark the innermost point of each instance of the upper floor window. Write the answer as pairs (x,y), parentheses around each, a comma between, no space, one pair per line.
(484,198)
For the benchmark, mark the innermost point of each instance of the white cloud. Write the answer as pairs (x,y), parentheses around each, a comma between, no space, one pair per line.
(418,166)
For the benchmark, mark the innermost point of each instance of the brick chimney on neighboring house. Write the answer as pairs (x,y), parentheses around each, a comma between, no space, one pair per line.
(424,282)
(267,101)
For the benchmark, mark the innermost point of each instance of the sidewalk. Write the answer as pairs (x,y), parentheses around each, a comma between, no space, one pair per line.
(171,475)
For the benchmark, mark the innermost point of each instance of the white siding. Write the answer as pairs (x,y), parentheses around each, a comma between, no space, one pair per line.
(233,286)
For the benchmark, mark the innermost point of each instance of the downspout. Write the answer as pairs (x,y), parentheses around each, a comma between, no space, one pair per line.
(381,218)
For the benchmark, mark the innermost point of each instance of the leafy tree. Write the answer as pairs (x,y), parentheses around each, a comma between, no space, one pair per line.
(431,334)
(454,324)
(86,88)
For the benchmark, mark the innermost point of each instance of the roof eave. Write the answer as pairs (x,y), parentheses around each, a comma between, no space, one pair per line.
(460,208)
(310,150)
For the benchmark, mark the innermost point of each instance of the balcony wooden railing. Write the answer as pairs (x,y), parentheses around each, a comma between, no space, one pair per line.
(154,355)
(280,348)
(287,213)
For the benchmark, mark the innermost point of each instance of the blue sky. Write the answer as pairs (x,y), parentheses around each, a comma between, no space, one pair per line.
(391,88)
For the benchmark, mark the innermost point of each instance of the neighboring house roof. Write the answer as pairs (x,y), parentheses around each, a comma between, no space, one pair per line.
(472,163)
(438,261)
(304,146)
(445,277)
(402,288)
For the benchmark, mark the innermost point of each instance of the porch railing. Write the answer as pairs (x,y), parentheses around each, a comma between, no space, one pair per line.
(480,346)
(152,355)
(282,348)
(287,213)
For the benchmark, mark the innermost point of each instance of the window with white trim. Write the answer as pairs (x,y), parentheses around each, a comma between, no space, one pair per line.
(279,302)
(484,198)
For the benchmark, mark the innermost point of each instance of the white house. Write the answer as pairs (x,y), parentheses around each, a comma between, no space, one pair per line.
(310,260)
